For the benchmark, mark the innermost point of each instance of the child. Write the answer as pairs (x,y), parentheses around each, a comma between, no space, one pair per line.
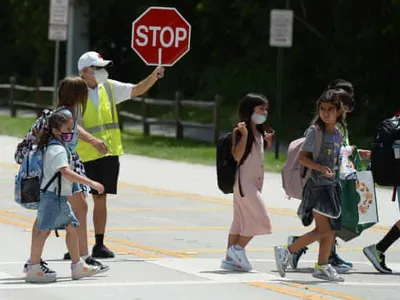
(348,102)
(321,194)
(54,210)
(72,98)
(250,216)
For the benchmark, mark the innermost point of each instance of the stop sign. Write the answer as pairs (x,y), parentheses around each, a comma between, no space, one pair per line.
(161,36)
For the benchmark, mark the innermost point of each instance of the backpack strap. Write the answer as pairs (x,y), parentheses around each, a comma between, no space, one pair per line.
(318,140)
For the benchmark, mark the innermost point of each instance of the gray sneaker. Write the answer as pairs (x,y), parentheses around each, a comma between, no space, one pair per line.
(282,256)
(377,258)
(327,272)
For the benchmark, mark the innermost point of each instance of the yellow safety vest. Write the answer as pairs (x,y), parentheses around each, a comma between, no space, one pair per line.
(102,123)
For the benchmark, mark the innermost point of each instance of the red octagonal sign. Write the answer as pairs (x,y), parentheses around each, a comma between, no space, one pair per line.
(161,36)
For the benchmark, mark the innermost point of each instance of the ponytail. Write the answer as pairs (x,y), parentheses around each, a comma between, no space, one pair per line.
(43,138)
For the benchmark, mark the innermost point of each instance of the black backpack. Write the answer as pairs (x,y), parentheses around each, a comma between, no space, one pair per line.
(385,168)
(227,165)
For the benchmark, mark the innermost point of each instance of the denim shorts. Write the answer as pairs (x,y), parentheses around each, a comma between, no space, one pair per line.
(54,212)
(77,188)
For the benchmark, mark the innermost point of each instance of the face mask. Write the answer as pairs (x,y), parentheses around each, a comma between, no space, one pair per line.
(258,119)
(67,137)
(100,75)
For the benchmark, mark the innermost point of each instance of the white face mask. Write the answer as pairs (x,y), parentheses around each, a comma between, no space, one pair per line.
(258,119)
(100,75)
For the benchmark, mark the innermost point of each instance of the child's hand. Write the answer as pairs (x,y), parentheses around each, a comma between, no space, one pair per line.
(98,187)
(269,137)
(242,128)
(365,154)
(327,172)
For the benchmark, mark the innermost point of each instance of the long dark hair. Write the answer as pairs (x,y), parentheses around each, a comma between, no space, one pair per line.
(245,111)
(56,120)
(335,97)
(73,93)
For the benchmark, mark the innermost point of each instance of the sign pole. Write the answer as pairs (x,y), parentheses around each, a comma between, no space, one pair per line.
(281,31)
(58,27)
(55,76)
(279,80)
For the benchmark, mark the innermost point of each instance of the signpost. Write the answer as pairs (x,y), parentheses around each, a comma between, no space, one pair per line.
(58,25)
(161,36)
(281,33)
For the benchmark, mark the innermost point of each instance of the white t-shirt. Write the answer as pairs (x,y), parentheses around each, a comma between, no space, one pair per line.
(122,92)
(54,159)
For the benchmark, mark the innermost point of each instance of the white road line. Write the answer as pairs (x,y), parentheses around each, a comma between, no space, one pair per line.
(5,276)
(209,269)
(16,285)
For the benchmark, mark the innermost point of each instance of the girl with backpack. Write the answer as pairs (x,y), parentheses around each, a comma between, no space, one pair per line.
(54,209)
(321,194)
(249,140)
(348,102)
(72,98)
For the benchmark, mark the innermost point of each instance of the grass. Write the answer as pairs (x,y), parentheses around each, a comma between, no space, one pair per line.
(135,142)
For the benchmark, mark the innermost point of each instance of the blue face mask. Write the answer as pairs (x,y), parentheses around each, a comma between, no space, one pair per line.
(259,119)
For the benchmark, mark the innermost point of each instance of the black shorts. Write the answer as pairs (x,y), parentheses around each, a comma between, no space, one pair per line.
(104,170)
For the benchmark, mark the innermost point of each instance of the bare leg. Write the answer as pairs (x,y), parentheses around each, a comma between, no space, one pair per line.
(71,240)
(233,239)
(322,229)
(244,240)
(39,238)
(80,209)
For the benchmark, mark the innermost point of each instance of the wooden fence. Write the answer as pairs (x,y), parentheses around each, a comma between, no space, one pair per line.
(178,104)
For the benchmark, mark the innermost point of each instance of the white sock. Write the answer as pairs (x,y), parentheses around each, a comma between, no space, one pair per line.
(85,257)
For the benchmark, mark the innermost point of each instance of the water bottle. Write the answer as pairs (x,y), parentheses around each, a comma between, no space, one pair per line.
(396,149)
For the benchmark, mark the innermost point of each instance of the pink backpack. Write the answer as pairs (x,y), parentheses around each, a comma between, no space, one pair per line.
(294,175)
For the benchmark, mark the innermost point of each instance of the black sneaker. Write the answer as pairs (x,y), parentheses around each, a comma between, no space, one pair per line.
(101,251)
(91,261)
(295,257)
(336,260)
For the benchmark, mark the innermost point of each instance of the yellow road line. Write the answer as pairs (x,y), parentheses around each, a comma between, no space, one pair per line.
(138,209)
(188,228)
(283,290)
(198,197)
(11,220)
(144,247)
(322,291)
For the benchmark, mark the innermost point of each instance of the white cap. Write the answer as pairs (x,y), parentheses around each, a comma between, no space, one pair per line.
(92,58)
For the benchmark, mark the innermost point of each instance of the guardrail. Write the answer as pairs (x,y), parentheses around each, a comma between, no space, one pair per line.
(177,105)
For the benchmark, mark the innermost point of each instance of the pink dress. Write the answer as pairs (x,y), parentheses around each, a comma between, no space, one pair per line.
(250,217)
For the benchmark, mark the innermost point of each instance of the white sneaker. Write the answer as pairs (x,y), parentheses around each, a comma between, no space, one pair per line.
(230,265)
(326,272)
(40,274)
(282,256)
(81,270)
(239,257)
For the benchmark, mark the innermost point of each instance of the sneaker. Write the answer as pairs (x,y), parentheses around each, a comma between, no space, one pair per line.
(230,265)
(101,251)
(92,262)
(341,269)
(377,258)
(239,257)
(326,272)
(282,257)
(67,256)
(42,262)
(336,260)
(40,273)
(81,270)
(295,257)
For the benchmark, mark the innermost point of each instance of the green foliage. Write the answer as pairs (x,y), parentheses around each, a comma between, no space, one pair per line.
(357,40)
